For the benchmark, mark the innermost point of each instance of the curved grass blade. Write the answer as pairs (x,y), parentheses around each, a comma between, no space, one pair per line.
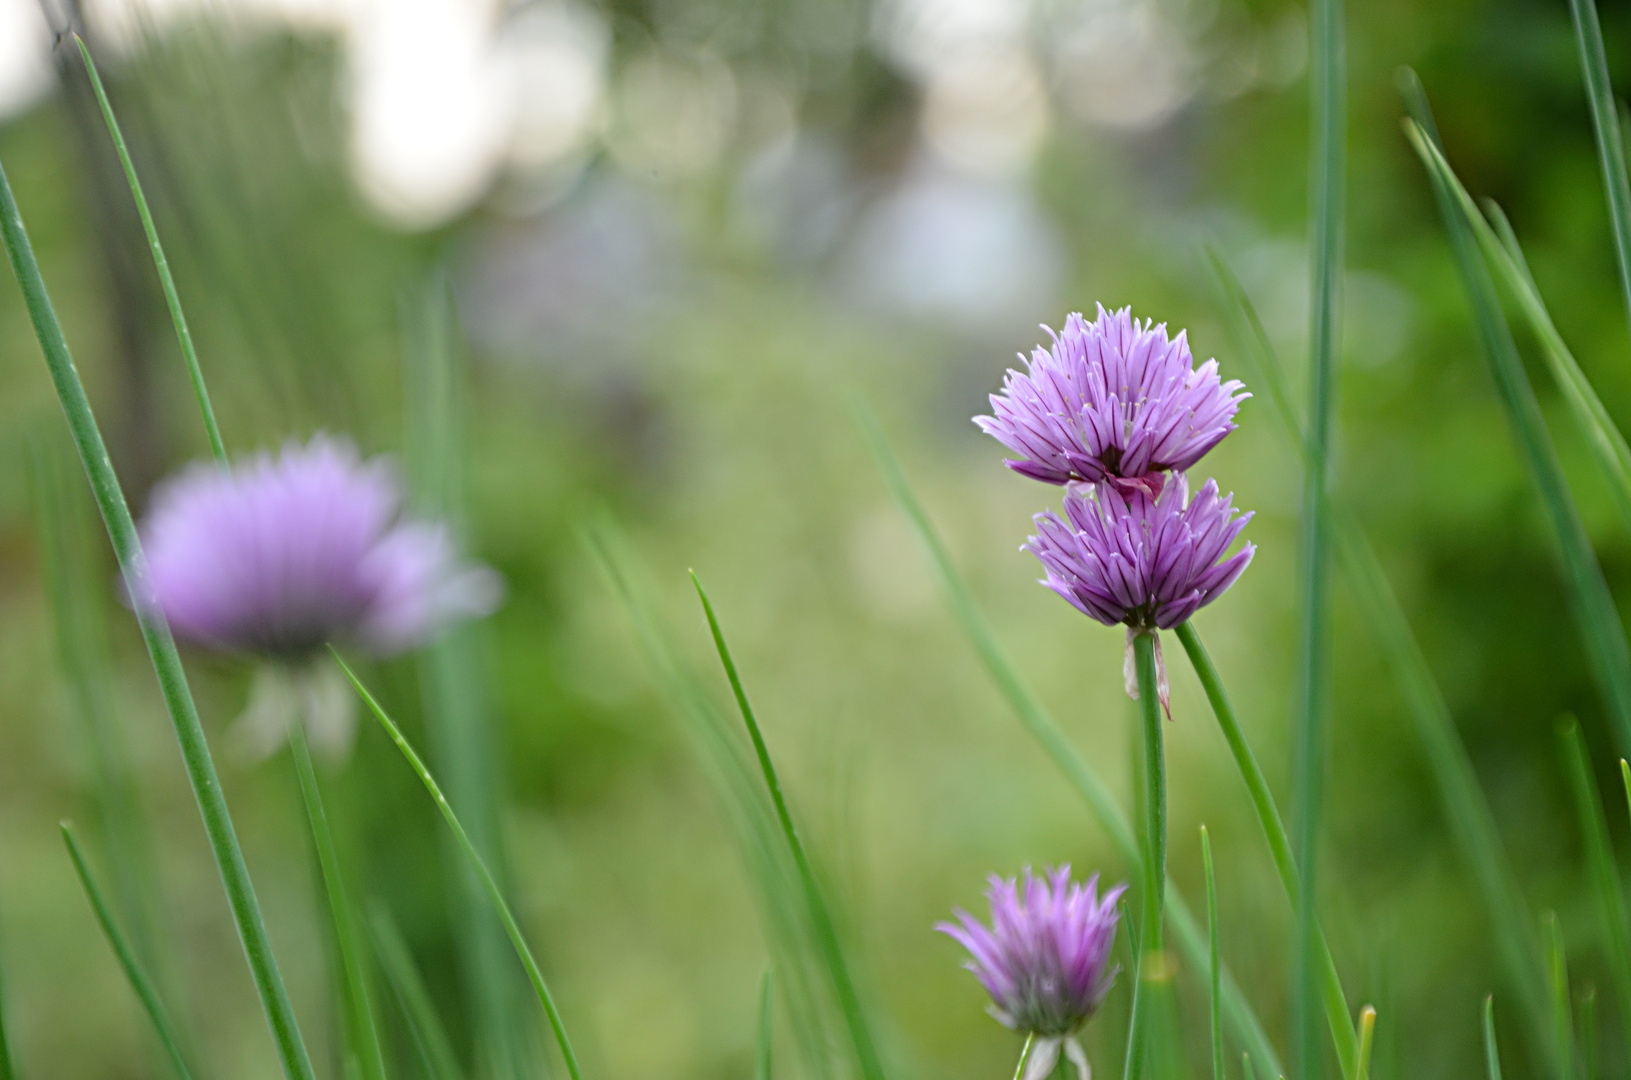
(826,930)
(138,979)
(161,646)
(726,759)
(1492,1050)
(766,1036)
(1332,996)
(1215,1010)
(494,893)
(1466,810)
(1042,727)
(1605,878)
(171,297)
(424,1026)
(1605,121)
(1310,735)
(362,1036)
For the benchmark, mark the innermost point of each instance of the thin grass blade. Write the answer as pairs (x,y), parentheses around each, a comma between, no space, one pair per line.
(494,893)
(362,1036)
(1367,1035)
(171,297)
(139,982)
(1332,996)
(1464,805)
(1327,195)
(1025,1055)
(1585,1008)
(726,759)
(1492,1050)
(826,930)
(425,1028)
(459,716)
(1557,985)
(766,1036)
(1042,727)
(161,646)
(1605,120)
(1215,1007)
(1605,877)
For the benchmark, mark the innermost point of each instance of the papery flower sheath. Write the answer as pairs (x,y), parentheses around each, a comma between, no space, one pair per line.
(1045,958)
(1112,401)
(1124,557)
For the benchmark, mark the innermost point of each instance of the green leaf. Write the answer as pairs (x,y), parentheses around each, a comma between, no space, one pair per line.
(494,893)
(1605,120)
(1557,983)
(826,930)
(1465,809)
(1042,727)
(171,297)
(424,1025)
(1492,1051)
(1605,878)
(362,1037)
(137,978)
(1335,1001)
(200,766)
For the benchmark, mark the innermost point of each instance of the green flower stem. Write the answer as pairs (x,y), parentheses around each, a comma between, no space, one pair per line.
(171,297)
(496,894)
(139,982)
(1155,796)
(1274,831)
(363,1037)
(826,931)
(161,646)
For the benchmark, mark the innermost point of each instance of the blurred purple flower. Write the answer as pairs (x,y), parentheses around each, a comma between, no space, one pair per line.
(284,555)
(1148,562)
(1112,401)
(1045,958)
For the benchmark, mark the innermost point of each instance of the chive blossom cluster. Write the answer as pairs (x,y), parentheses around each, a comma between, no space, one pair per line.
(1116,412)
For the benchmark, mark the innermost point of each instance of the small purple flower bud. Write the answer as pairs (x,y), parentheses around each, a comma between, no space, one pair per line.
(1113,401)
(281,556)
(1045,958)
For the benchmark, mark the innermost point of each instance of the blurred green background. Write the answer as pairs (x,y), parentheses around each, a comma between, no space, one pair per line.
(681,238)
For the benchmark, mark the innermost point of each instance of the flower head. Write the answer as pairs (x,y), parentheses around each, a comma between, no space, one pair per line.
(1114,400)
(285,554)
(1045,958)
(1148,562)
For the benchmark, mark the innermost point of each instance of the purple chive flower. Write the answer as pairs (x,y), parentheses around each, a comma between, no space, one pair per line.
(1113,401)
(1150,563)
(284,555)
(1045,958)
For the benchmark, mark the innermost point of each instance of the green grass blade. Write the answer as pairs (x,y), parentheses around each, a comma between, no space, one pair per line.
(1592,604)
(1492,1050)
(1557,985)
(1215,1008)
(1585,1007)
(362,1035)
(82,650)
(494,893)
(766,1035)
(1025,1055)
(826,930)
(1332,996)
(1034,716)
(1367,1037)
(1605,878)
(459,716)
(138,979)
(1327,193)
(424,1025)
(1465,808)
(723,753)
(1155,788)
(1132,1062)
(161,646)
(1605,119)
(171,297)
